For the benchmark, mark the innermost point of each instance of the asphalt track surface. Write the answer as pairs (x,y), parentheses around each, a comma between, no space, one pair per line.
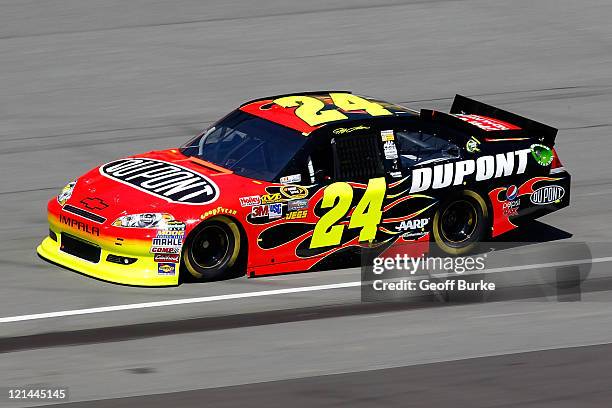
(84,82)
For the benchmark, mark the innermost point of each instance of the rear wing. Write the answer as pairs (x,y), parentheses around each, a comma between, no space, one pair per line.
(466,112)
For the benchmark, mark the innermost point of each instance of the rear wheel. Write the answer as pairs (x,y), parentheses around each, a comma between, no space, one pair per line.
(461,223)
(212,249)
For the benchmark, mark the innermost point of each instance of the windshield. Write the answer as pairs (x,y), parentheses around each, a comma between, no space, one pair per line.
(248,145)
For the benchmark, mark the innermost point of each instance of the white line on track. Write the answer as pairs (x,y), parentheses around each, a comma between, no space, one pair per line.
(175,302)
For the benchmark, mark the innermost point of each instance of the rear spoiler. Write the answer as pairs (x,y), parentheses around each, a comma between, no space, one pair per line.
(466,106)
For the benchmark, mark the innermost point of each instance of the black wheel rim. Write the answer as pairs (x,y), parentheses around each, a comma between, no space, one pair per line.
(210,247)
(459,221)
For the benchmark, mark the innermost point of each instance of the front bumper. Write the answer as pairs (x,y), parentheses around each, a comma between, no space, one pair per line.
(144,271)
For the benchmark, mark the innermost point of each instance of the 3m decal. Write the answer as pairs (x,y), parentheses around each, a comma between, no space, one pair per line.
(543,155)
(250,201)
(311,110)
(162,179)
(547,195)
(483,168)
(259,211)
(366,215)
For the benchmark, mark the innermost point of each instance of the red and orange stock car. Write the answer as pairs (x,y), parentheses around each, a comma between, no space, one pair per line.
(303,182)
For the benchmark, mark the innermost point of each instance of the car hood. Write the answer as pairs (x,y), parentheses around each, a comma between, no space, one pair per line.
(159,181)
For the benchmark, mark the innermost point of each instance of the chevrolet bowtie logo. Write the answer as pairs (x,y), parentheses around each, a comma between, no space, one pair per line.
(94,203)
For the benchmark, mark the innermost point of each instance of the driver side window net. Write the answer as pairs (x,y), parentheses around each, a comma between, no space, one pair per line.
(358,158)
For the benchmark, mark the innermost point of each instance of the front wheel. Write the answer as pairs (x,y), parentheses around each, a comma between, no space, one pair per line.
(212,249)
(461,223)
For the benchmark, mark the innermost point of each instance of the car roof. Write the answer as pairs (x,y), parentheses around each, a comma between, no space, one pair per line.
(266,108)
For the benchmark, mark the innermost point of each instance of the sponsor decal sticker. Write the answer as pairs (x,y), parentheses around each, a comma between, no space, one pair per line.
(472,145)
(169,240)
(511,205)
(396,174)
(165,180)
(510,208)
(387,135)
(482,168)
(547,195)
(293,178)
(543,155)
(217,211)
(294,192)
(259,211)
(296,215)
(250,201)
(413,224)
(341,131)
(275,211)
(165,250)
(166,258)
(80,225)
(414,235)
(390,150)
(296,205)
(488,124)
(168,269)
(271,198)
(511,193)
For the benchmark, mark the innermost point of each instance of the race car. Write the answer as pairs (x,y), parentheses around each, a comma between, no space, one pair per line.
(305,182)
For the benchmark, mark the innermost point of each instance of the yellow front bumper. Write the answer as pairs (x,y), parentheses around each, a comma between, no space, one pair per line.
(143,272)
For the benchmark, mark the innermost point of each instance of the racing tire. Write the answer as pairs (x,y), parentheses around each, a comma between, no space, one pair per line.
(461,223)
(212,250)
